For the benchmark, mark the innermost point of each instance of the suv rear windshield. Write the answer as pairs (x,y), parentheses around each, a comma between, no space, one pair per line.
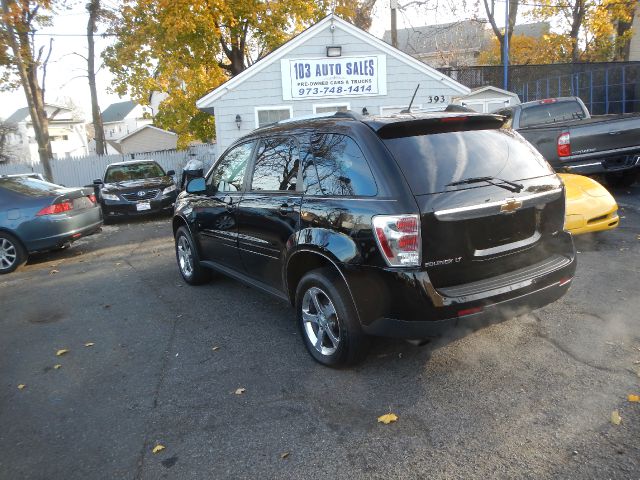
(136,171)
(550,113)
(431,162)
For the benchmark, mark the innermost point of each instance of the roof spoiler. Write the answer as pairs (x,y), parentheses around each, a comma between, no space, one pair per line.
(450,123)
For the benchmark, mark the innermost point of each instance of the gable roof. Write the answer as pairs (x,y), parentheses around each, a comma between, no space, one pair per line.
(18,116)
(492,88)
(138,130)
(205,101)
(116,112)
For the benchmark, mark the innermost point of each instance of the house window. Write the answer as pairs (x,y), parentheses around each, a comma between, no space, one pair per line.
(331,107)
(392,110)
(267,115)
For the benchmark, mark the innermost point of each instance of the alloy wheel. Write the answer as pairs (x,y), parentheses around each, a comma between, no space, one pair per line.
(320,321)
(185,256)
(8,254)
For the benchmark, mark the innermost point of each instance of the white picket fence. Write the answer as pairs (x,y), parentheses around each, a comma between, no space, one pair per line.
(81,171)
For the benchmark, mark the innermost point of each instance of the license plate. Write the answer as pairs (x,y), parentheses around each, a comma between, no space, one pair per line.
(143,206)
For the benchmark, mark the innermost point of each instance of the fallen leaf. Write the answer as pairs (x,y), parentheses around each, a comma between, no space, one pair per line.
(21,386)
(158,448)
(388,418)
(61,352)
(633,398)
(53,272)
(107,306)
(240,391)
(284,455)
(616,419)
(57,366)
(215,348)
(89,344)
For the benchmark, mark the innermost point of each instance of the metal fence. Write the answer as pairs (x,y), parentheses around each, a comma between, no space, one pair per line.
(80,171)
(612,87)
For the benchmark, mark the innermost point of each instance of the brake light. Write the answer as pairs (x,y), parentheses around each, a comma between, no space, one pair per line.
(460,118)
(469,311)
(548,100)
(564,144)
(56,208)
(398,237)
(92,197)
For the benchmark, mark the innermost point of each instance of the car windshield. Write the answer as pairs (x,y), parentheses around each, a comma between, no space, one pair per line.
(31,187)
(135,171)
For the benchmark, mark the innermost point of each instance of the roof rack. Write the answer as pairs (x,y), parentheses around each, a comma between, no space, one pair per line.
(348,114)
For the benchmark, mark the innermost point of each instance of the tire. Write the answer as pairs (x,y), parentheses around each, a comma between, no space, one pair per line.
(188,259)
(341,341)
(12,253)
(621,180)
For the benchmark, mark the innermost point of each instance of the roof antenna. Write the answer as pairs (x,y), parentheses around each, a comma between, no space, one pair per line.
(408,109)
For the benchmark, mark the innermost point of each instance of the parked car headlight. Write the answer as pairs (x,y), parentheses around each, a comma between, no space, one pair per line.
(109,196)
(168,190)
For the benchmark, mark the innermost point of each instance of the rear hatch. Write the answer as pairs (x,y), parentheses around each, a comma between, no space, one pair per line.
(505,219)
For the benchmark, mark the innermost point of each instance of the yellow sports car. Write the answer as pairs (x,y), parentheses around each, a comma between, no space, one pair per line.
(590,207)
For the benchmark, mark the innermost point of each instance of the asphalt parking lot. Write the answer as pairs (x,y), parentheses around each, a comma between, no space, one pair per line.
(528,398)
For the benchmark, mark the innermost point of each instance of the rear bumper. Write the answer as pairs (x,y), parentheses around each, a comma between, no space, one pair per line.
(605,165)
(59,230)
(490,314)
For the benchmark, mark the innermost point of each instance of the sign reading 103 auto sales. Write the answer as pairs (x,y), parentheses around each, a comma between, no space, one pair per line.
(334,77)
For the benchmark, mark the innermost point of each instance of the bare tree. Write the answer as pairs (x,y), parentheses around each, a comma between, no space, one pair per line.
(93,7)
(19,21)
(489,6)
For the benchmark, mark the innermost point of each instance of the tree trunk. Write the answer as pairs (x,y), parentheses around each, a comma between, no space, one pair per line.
(576,23)
(623,49)
(94,7)
(513,13)
(28,73)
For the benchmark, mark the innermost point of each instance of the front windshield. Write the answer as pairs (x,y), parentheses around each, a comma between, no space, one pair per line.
(136,171)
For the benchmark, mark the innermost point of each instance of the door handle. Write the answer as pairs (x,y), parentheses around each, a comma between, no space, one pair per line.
(618,132)
(285,209)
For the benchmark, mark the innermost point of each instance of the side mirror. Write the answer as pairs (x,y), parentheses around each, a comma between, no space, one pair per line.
(171,173)
(197,185)
(98,181)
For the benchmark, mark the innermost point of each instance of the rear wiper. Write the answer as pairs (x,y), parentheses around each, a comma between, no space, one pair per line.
(511,186)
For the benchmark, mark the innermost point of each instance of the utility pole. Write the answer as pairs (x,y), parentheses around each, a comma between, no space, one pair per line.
(394,26)
(506,45)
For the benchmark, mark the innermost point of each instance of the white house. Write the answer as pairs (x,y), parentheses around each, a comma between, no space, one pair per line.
(487,99)
(67,132)
(145,139)
(122,118)
(331,66)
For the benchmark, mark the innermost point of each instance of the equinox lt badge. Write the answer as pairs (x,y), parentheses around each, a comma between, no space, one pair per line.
(510,206)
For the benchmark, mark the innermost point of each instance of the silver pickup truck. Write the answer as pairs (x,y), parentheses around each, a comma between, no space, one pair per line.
(573,141)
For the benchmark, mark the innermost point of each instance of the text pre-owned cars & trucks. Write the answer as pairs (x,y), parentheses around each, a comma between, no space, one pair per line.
(136,187)
(399,226)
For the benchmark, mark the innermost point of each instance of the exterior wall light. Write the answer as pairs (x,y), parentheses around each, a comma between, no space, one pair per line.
(334,51)
(365,111)
(238,121)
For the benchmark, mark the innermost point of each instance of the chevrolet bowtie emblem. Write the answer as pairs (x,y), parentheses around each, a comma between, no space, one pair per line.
(510,206)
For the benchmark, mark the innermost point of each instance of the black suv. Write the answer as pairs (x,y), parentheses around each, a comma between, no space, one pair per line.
(398,226)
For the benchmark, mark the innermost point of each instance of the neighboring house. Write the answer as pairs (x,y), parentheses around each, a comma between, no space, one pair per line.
(145,139)
(487,99)
(634,45)
(455,44)
(67,133)
(122,118)
(331,66)
(155,99)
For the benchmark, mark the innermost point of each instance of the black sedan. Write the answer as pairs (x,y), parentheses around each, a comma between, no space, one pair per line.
(37,216)
(135,188)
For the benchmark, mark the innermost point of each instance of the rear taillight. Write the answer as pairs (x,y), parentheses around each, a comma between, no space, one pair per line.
(92,197)
(398,237)
(564,145)
(56,208)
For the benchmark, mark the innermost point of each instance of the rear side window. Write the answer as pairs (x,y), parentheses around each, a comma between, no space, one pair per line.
(337,167)
(30,187)
(431,162)
(550,113)
(276,166)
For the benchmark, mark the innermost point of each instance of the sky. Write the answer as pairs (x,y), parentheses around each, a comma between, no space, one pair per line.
(66,73)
